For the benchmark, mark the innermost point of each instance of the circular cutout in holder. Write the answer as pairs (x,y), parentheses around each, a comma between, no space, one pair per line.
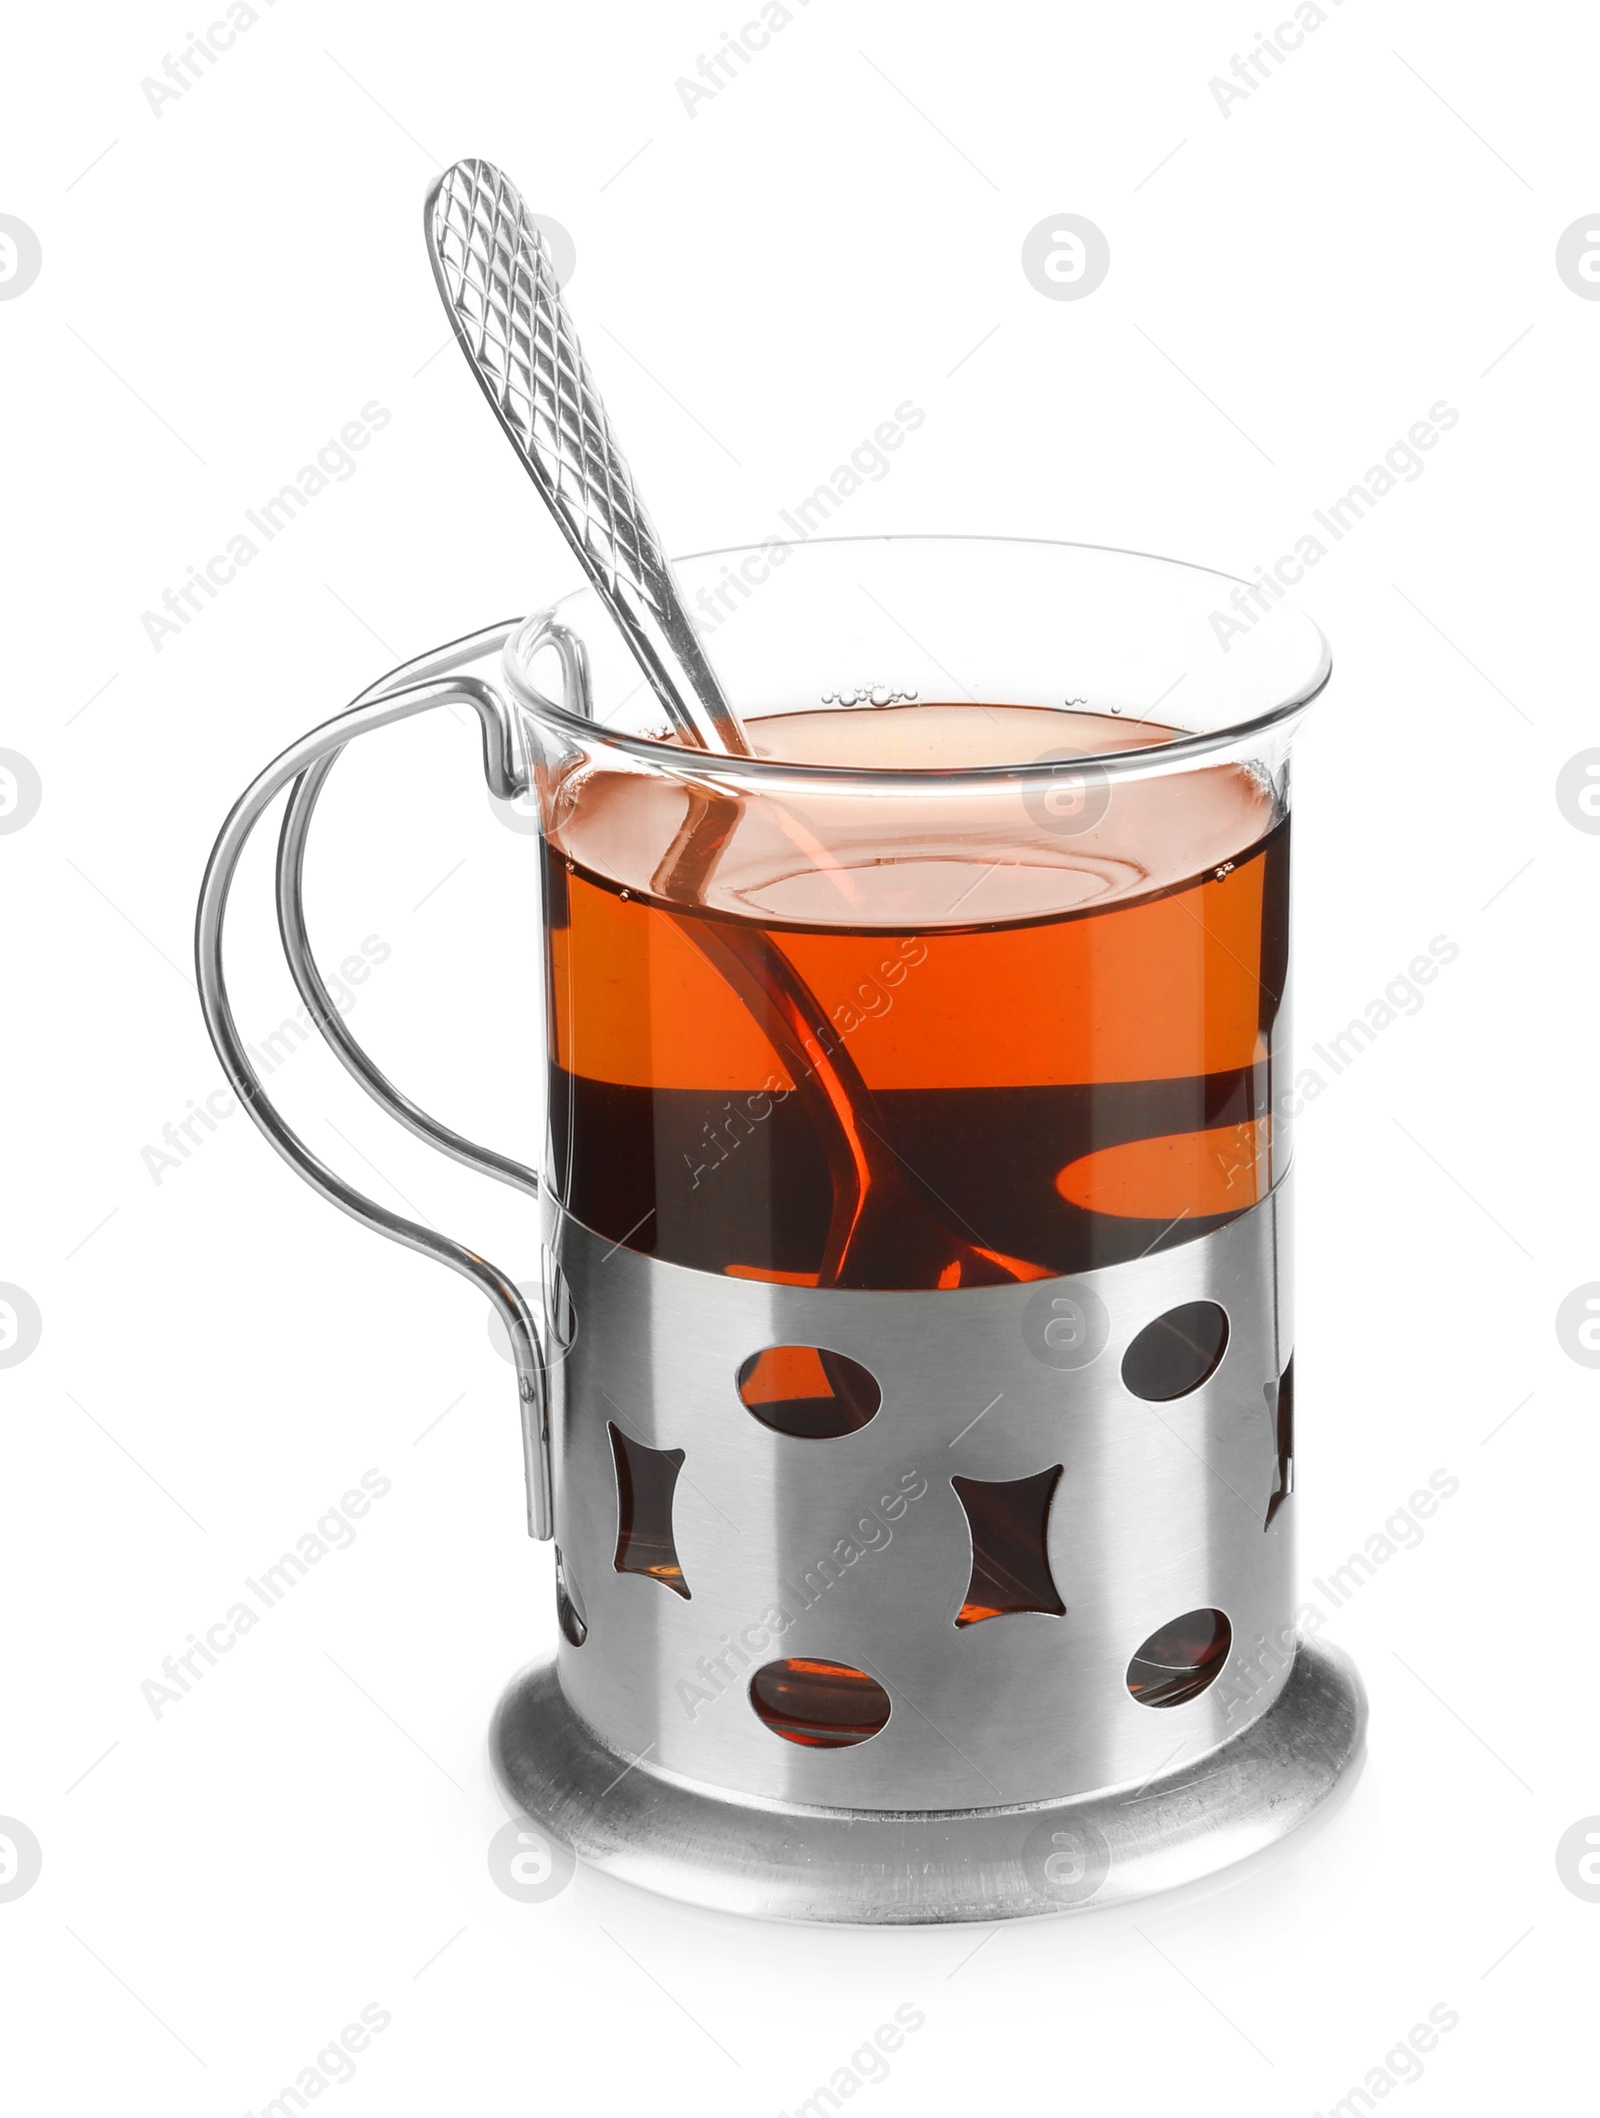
(820,1705)
(1181,1659)
(1177,1353)
(809,1392)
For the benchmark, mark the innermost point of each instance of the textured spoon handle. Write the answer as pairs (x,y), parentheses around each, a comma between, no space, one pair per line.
(496,277)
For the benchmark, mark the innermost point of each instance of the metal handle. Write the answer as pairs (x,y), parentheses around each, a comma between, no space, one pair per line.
(433,680)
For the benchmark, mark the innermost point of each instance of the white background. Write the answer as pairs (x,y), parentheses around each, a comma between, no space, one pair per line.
(224,286)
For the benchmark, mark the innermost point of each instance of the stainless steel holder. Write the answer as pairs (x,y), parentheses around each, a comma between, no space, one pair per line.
(1016,1771)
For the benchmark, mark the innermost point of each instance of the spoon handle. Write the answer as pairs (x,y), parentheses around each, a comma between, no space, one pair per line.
(496,278)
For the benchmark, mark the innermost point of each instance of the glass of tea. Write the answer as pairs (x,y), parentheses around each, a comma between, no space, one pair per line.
(910,1391)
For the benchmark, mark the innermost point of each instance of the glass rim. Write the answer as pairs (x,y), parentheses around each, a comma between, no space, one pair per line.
(679,757)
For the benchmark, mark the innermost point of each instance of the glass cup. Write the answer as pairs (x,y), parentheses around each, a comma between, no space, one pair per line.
(976,971)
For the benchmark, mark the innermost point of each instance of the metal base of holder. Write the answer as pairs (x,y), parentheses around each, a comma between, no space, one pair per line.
(919,1867)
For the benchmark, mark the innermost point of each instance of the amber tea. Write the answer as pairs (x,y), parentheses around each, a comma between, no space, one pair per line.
(791,1041)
